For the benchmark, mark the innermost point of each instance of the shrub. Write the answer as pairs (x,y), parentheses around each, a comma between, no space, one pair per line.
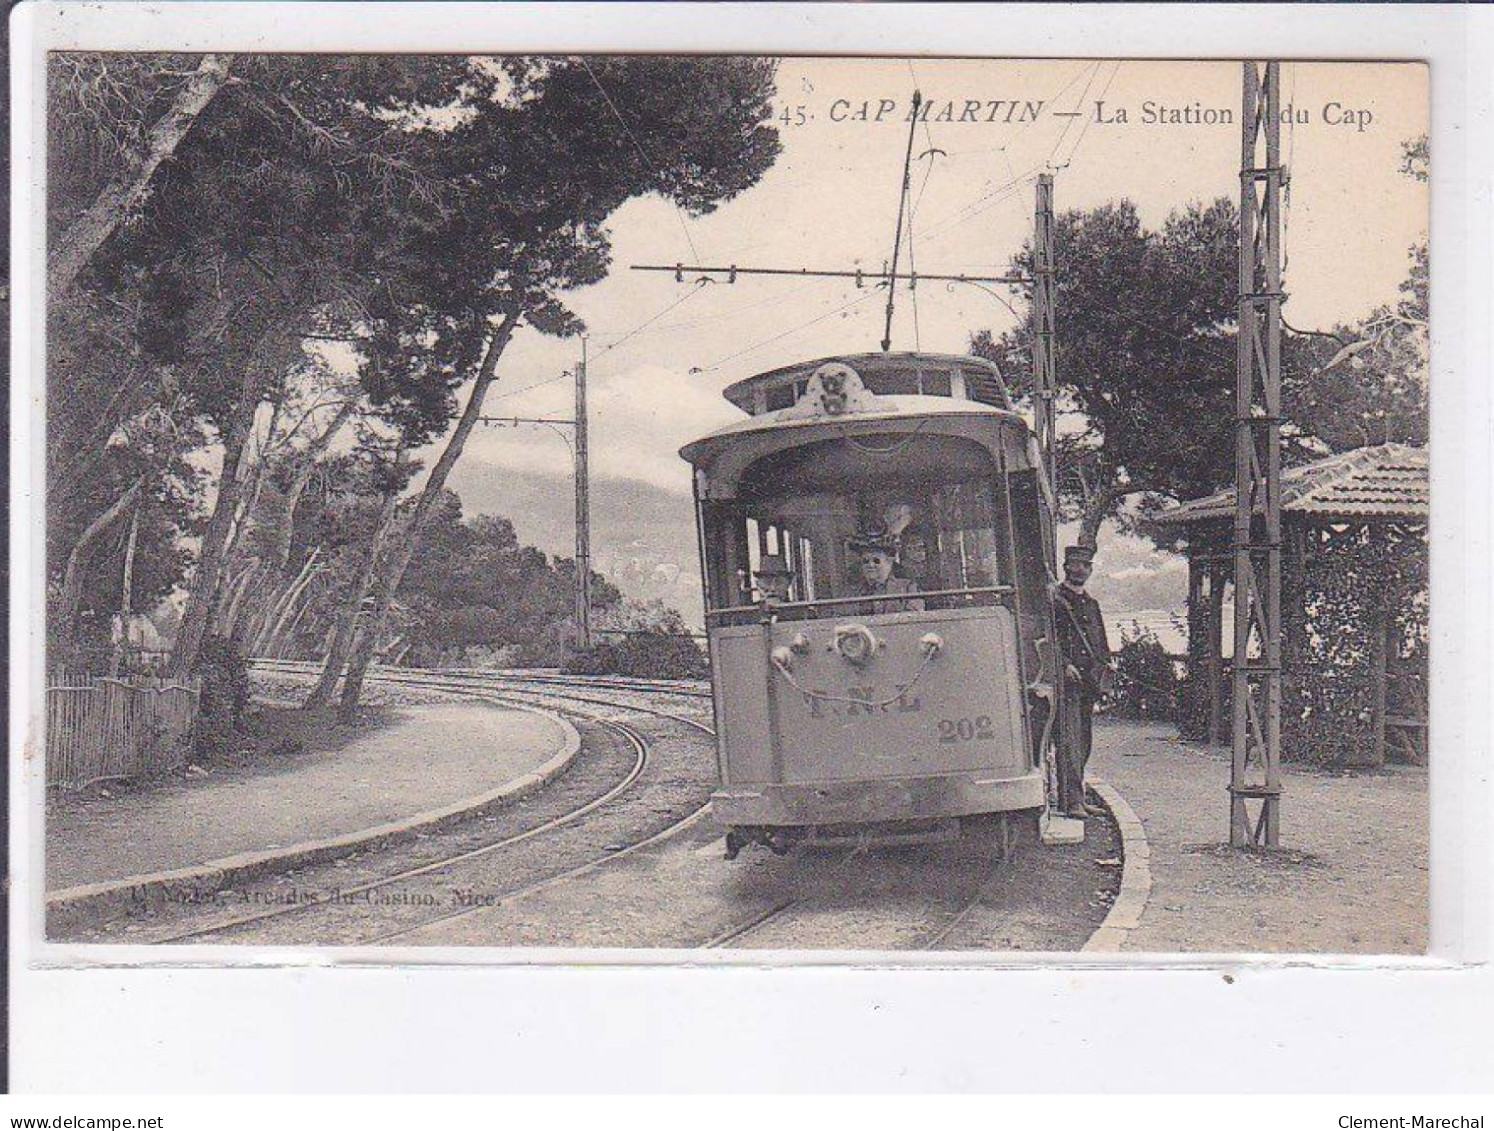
(642,656)
(1146,683)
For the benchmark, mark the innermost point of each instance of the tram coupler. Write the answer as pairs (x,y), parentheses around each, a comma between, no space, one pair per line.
(777,840)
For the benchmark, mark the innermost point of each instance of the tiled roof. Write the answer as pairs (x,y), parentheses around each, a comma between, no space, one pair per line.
(1388,481)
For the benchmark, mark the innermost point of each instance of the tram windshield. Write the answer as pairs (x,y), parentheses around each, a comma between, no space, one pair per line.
(893,523)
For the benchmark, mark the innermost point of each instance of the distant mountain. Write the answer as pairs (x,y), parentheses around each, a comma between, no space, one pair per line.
(642,536)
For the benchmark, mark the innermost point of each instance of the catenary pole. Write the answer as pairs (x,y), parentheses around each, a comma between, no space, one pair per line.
(1255,770)
(583,511)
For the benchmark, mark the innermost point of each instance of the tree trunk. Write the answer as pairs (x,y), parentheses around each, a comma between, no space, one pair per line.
(394,570)
(239,614)
(347,619)
(203,596)
(126,595)
(280,608)
(1096,510)
(285,526)
(204,591)
(283,637)
(246,608)
(249,473)
(119,200)
(72,578)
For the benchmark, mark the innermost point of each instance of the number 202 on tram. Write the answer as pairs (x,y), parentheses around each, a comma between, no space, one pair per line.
(875,544)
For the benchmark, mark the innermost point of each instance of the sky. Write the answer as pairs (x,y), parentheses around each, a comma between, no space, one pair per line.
(662,351)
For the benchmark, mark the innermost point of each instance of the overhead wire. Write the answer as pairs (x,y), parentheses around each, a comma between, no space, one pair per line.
(699,286)
(526,388)
(995,195)
(647,322)
(1088,119)
(736,311)
(1069,124)
(871,292)
(647,160)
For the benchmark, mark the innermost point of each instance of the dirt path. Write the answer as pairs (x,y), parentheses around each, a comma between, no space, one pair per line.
(424,757)
(1350,876)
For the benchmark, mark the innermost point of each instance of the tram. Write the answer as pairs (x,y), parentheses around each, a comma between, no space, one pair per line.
(876,544)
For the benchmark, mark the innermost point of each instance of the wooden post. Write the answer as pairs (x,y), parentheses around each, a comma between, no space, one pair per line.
(1218,732)
(1378,626)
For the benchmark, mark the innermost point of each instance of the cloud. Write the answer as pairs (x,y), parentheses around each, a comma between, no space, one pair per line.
(640,416)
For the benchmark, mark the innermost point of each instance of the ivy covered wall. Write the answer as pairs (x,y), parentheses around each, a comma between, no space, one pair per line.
(1354,600)
(1360,599)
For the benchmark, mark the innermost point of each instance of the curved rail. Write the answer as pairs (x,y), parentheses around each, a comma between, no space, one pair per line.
(636,740)
(685,688)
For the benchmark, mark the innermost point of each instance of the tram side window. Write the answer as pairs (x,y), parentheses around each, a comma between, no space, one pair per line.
(1034,572)
(970,542)
(795,535)
(784,395)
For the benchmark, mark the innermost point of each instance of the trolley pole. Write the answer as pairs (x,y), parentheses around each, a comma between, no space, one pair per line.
(583,511)
(1044,371)
(1255,774)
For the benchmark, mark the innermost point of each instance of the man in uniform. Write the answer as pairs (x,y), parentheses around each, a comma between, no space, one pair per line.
(1084,655)
(775,581)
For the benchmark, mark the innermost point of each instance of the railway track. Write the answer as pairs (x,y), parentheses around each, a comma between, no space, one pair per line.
(780,916)
(482,677)
(618,801)
(347,909)
(777,916)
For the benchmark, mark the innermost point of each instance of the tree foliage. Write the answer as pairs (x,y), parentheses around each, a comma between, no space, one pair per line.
(471,585)
(473,594)
(544,163)
(1146,361)
(1144,355)
(421,208)
(1368,383)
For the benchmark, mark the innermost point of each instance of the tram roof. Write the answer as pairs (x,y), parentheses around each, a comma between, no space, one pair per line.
(982,379)
(908,412)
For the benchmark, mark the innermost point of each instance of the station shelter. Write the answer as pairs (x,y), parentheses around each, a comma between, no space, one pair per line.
(1354,599)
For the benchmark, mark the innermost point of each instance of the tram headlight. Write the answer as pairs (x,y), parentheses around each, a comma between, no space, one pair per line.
(855,643)
(783,658)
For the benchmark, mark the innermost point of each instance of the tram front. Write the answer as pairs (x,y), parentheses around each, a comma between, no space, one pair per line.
(877,610)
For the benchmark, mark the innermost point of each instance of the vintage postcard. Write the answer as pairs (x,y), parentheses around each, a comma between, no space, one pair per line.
(689,502)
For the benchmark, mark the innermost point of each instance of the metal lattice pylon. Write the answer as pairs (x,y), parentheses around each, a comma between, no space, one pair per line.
(1255,777)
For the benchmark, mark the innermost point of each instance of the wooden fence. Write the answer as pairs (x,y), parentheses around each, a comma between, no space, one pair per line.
(111,728)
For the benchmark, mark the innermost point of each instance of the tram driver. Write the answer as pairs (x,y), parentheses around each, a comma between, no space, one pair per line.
(775,581)
(876,552)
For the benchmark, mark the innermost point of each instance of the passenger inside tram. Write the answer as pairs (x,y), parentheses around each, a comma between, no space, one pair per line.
(877,580)
(945,533)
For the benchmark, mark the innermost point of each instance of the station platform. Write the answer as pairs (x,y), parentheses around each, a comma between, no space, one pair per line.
(1349,877)
(418,765)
